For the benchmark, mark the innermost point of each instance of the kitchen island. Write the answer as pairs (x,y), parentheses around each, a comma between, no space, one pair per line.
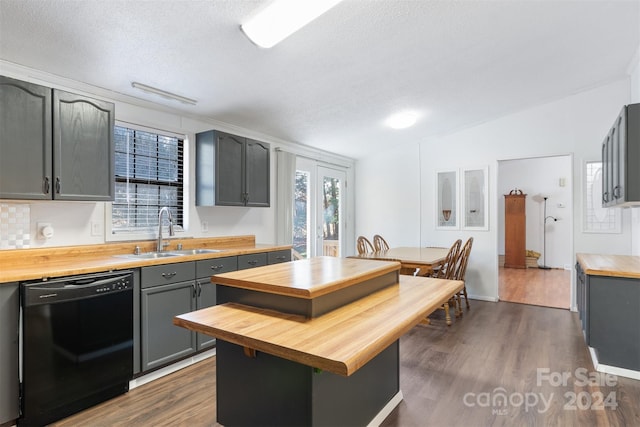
(313,342)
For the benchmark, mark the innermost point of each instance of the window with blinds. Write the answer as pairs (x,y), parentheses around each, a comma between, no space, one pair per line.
(149,175)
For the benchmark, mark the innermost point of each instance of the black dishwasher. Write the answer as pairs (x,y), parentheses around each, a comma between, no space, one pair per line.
(76,343)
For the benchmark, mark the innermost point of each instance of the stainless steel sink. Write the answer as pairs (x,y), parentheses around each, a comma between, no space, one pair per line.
(195,251)
(149,255)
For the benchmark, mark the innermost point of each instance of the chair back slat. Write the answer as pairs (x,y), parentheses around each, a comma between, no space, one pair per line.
(363,245)
(448,268)
(463,260)
(379,244)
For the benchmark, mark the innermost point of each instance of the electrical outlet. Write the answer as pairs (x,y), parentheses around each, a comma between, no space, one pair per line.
(96,228)
(204,226)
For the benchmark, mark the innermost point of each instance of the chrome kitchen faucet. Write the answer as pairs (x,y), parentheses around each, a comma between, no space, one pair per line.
(171,232)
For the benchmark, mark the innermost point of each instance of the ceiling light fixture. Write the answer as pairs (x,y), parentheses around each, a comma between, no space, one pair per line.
(402,120)
(282,18)
(163,93)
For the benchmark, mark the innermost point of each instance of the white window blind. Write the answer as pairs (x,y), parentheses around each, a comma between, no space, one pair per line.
(149,175)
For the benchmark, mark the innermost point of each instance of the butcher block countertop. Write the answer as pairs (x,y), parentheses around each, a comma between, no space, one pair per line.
(307,278)
(610,265)
(29,264)
(341,341)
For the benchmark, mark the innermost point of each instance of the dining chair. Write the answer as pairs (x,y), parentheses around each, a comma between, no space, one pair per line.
(447,271)
(379,244)
(461,271)
(364,245)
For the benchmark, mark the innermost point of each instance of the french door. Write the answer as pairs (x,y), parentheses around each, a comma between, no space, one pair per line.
(318,222)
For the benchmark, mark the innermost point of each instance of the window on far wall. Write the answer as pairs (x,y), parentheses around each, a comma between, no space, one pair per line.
(149,175)
(597,219)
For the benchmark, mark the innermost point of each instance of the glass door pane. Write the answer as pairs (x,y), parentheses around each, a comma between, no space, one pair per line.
(301,224)
(330,212)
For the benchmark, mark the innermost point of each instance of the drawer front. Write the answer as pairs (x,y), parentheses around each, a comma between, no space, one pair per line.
(167,273)
(251,261)
(209,267)
(279,256)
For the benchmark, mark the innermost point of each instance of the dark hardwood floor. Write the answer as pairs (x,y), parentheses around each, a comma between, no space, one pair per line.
(450,376)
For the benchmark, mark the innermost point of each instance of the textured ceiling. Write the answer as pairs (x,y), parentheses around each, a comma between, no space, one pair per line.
(332,84)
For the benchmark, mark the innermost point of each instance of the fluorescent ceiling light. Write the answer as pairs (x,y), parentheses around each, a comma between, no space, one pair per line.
(282,18)
(163,93)
(402,120)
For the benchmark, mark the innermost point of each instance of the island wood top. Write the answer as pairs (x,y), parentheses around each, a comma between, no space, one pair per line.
(306,278)
(610,265)
(341,341)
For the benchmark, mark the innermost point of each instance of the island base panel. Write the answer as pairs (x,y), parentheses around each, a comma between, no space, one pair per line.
(308,307)
(268,390)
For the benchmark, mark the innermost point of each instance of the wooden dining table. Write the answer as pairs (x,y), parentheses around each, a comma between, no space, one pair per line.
(411,258)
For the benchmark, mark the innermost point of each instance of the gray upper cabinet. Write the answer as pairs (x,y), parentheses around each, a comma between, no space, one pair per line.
(620,150)
(83,148)
(25,140)
(231,170)
(54,144)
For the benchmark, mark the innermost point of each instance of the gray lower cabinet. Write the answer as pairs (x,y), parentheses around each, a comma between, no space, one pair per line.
(206,290)
(277,257)
(251,261)
(614,320)
(582,299)
(171,289)
(167,290)
(9,320)
(54,144)
(609,310)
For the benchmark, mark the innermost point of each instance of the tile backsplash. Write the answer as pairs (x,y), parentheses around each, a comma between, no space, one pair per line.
(15,226)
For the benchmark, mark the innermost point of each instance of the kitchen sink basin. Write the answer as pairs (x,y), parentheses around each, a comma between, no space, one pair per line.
(195,251)
(150,255)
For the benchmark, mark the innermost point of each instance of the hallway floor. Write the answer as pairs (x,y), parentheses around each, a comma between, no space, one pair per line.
(548,288)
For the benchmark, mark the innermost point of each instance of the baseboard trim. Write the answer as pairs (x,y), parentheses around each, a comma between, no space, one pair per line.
(614,370)
(483,298)
(384,412)
(181,364)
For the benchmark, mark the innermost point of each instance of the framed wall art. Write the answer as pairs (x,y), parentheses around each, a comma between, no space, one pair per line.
(447,200)
(475,200)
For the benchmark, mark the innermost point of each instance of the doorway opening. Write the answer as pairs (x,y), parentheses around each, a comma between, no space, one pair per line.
(547,182)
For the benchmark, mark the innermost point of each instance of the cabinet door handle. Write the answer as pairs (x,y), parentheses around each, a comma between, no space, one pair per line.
(193,286)
(252,262)
(47,185)
(199,289)
(216,267)
(281,257)
(605,197)
(169,275)
(58,184)
(616,192)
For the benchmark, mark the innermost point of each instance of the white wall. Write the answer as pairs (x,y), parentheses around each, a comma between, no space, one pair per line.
(388,196)
(72,221)
(540,177)
(573,125)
